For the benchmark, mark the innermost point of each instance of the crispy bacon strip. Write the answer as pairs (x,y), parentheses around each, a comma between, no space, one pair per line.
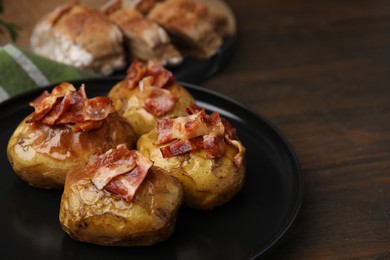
(198,131)
(135,73)
(75,112)
(238,157)
(157,101)
(181,127)
(110,164)
(155,75)
(178,147)
(66,106)
(127,184)
(214,146)
(58,109)
(44,103)
(119,171)
(216,126)
(151,78)
(162,77)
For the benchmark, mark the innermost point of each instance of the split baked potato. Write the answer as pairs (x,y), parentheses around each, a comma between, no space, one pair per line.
(148,93)
(107,214)
(43,147)
(202,152)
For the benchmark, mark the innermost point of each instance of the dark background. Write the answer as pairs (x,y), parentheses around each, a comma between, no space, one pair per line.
(319,71)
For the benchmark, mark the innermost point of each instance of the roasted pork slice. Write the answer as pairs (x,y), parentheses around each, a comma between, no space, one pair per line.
(145,39)
(189,27)
(221,17)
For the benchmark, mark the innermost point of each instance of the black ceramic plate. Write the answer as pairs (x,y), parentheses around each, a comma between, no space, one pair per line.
(196,71)
(249,226)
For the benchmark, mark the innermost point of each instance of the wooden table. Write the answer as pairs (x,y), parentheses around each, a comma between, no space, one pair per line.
(320,72)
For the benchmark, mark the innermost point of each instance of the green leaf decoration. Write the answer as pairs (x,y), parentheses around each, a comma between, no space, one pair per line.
(13,29)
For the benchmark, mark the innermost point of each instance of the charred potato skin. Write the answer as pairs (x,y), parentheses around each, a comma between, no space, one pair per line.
(129,106)
(207,183)
(100,217)
(42,155)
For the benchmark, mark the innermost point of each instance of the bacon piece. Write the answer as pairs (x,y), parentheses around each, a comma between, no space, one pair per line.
(38,101)
(214,145)
(75,112)
(135,73)
(238,157)
(110,164)
(193,108)
(162,77)
(58,109)
(229,129)
(83,109)
(64,105)
(119,171)
(98,108)
(127,184)
(178,147)
(157,101)
(214,121)
(151,78)
(198,131)
(106,173)
(45,102)
(181,127)
(155,74)
(197,142)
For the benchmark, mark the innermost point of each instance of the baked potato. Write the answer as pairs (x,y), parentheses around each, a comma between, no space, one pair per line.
(203,152)
(148,93)
(96,209)
(63,131)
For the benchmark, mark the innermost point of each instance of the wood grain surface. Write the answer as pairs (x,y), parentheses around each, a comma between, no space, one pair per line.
(319,71)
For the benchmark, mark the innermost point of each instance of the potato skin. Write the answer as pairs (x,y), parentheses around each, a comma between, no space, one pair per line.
(100,217)
(129,106)
(207,183)
(42,155)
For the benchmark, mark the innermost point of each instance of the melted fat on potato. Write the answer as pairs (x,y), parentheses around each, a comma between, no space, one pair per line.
(41,155)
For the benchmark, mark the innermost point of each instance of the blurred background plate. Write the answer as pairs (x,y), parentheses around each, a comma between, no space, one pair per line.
(197,71)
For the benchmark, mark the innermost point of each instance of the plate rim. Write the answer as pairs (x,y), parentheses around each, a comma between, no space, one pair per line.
(298,169)
(294,208)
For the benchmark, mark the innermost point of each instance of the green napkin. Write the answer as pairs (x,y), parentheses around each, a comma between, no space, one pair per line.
(21,70)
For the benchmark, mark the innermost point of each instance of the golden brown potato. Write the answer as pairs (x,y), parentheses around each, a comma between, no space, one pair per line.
(142,97)
(42,154)
(99,216)
(207,182)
